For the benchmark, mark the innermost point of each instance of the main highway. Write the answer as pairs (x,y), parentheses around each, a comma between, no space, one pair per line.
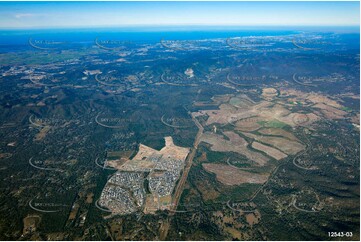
(183,179)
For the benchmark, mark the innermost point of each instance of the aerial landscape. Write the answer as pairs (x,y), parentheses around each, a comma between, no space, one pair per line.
(206,129)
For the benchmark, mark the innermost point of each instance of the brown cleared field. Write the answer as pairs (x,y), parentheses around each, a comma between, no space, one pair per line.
(247,116)
(240,110)
(42,133)
(285,145)
(151,204)
(216,100)
(156,173)
(318,98)
(220,116)
(229,175)
(31,222)
(89,198)
(248,124)
(171,150)
(303,119)
(234,232)
(236,144)
(235,138)
(309,97)
(117,164)
(137,165)
(5,155)
(253,218)
(144,152)
(165,201)
(356,118)
(278,132)
(113,155)
(221,98)
(241,101)
(330,108)
(276,154)
(269,92)
(117,159)
(330,112)
(143,159)
(74,211)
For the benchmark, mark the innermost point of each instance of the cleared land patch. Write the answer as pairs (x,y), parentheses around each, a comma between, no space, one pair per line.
(275,111)
(31,223)
(287,146)
(235,144)
(278,155)
(229,175)
(269,92)
(42,133)
(278,132)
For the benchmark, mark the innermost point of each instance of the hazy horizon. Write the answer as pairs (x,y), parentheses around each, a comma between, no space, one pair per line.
(40,15)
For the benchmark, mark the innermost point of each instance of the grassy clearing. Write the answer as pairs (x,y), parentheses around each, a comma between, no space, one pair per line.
(272,124)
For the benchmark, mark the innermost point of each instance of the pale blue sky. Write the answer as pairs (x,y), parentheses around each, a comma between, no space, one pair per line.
(111,14)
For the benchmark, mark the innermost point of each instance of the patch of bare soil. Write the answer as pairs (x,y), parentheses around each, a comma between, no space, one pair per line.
(230,175)
(285,145)
(248,124)
(330,112)
(31,222)
(269,92)
(278,132)
(42,133)
(235,144)
(276,154)
(253,218)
